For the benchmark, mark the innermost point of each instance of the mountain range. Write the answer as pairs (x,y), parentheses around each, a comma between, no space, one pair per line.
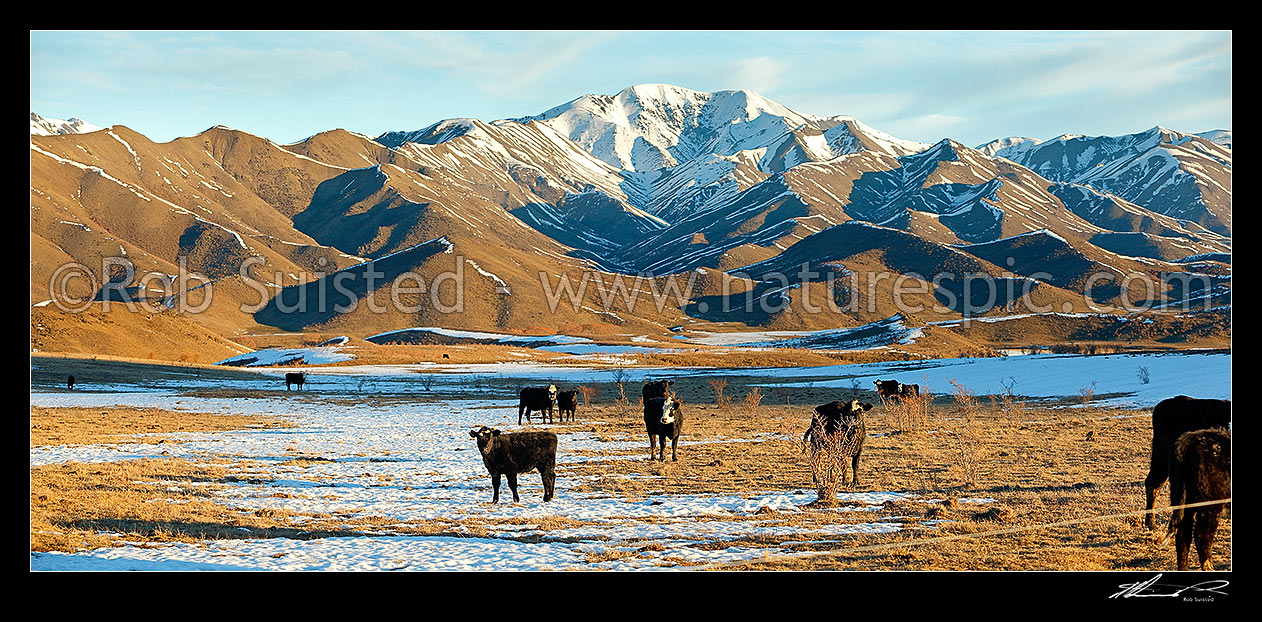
(722,188)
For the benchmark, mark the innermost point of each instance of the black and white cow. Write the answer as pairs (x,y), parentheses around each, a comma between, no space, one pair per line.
(892,389)
(838,426)
(537,399)
(663,419)
(660,388)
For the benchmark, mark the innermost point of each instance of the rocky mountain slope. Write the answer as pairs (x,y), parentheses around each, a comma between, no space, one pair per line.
(657,186)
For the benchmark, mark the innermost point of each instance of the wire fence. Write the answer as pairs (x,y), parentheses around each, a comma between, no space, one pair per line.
(867,548)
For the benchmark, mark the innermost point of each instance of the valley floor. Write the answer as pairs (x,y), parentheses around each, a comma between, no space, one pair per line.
(371,469)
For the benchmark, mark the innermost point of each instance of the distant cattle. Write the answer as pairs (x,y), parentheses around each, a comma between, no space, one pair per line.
(660,388)
(663,419)
(1200,470)
(567,401)
(70,383)
(839,427)
(295,378)
(1170,420)
(445,357)
(537,399)
(518,452)
(891,389)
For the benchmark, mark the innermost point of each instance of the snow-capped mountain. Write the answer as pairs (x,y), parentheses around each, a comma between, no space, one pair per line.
(1218,137)
(1182,175)
(653,126)
(1010,145)
(656,179)
(41,126)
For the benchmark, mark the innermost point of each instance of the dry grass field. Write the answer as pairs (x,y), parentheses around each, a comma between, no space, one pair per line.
(994,485)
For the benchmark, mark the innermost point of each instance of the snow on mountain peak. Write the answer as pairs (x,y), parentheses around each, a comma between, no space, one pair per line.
(650,126)
(1008,145)
(41,126)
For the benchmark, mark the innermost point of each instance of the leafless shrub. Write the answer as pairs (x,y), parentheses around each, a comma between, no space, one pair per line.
(784,394)
(622,403)
(965,400)
(1086,393)
(1142,372)
(909,413)
(427,381)
(620,374)
(717,387)
(590,394)
(1007,403)
(969,451)
(825,455)
(752,399)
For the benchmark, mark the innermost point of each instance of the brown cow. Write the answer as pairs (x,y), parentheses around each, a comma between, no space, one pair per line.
(1170,419)
(1200,470)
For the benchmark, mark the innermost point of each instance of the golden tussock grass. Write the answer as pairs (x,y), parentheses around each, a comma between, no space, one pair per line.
(87,426)
(1011,474)
(78,506)
(1022,474)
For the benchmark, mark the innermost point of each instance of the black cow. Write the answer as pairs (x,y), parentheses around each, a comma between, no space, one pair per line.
(891,389)
(537,399)
(298,378)
(663,419)
(1200,470)
(839,426)
(1170,419)
(519,452)
(70,383)
(567,401)
(660,388)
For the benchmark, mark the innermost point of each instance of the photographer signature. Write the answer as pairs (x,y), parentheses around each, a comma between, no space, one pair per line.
(1151,588)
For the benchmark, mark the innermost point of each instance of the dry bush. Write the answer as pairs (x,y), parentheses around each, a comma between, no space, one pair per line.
(622,403)
(590,394)
(752,399)
(910,413)
(966,441)
(1144,376)
(1008,404)
(1086,393)
(827,462)
(717,387)
(965,400)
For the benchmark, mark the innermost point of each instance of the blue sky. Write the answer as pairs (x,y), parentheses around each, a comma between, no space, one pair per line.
(971,86)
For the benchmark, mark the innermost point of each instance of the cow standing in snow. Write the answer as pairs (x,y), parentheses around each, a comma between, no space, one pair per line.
(518,452)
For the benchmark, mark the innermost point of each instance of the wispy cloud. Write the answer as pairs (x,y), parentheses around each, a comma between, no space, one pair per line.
(763,74)
(971,85)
